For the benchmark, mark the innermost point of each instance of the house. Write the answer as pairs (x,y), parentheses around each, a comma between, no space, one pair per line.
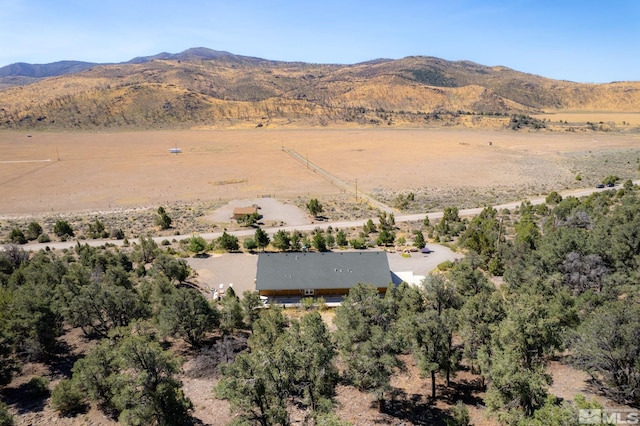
(239,212)
(325,274)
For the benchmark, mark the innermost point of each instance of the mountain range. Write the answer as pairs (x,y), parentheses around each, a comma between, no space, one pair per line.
(203,87)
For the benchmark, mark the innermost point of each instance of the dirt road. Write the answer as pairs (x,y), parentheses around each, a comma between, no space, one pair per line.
(322,225)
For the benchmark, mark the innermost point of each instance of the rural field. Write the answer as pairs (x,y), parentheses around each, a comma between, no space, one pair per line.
(106,174)
(59,172)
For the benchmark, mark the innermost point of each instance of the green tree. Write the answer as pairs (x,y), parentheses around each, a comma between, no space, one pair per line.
(468,278)
(62,229)
(251,304)
(418,239)
(163,220)
(515,389)
(6,419)
(330,239)
(188,315)
(146,251)
(441,293)
(482,234)
(385,222)
(8,364)
(172,268)
(261,238)
(358,243)
(606,345)
(96,374)
(137,379)
(527,232)
(98,307)
(96,230)
(255,388)
(35,322)
(314,207)
(66,398)
(281,240)
(553,198)
(148,389)
(341,239)
(197,244)
(286,365)
(257,383)
(535,322)
(16,236)
(296,240)
(479,319)
(231,313)
(313,374)
(369,227)
(249,219)
(431,337)
(228,242)
(366,340)
(450,224)
(250,244)
(319,241)
(385,237)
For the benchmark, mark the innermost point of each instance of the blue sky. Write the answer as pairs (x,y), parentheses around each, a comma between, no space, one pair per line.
(585,41)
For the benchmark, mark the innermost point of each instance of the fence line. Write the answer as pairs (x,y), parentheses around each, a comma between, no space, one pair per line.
(336,181)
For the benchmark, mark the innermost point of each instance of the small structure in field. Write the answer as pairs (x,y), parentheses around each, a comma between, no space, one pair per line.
(240,212)
(175,150)
(325,274)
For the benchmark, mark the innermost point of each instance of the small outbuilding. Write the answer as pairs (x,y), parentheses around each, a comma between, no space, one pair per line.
(240,212)
(326,274)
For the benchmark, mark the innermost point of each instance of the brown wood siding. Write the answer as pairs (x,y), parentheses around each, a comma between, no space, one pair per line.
(317,293)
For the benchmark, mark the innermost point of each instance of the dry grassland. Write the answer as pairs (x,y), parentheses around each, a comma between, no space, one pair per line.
(104,172)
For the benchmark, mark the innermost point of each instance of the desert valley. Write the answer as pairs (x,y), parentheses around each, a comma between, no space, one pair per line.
(200,132)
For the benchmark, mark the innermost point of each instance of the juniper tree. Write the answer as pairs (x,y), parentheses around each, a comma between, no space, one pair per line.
(367,341)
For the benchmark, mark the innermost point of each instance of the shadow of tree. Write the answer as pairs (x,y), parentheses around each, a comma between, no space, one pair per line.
(462,390)
(412,408)
(63,360)
(24,399)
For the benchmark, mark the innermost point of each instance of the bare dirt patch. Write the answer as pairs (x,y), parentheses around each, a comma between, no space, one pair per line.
(107,171)
(272,212)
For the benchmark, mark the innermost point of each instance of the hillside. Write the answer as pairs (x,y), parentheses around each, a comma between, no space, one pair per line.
(203,87)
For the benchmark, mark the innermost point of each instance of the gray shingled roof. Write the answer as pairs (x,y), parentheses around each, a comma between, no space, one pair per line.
(329,270)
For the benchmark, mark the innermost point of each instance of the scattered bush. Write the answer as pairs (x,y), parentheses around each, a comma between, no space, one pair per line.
(358,243)
(116,234)
(66,398)
(38,387)
(6,419)
(445,266)
(63,230)
(163,220)
(16,236)
(44,238)
(34,230)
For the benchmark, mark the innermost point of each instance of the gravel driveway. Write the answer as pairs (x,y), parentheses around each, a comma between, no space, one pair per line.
(271,210)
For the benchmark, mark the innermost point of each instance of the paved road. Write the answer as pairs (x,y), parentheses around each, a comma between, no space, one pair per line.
(322,225)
